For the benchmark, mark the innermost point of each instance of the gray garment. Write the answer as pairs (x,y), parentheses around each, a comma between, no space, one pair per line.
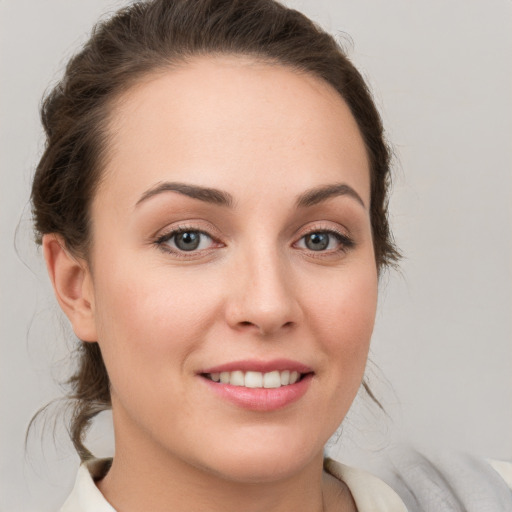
(448,482)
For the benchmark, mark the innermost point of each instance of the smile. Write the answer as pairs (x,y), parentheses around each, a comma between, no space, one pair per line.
(252,379)
(256,385)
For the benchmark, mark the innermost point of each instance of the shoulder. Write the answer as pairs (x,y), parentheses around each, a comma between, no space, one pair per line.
(448,481)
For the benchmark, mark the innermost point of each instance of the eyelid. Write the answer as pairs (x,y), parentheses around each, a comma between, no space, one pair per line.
(199,225)
(323,226)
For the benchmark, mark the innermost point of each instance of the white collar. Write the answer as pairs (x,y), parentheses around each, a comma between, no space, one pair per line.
(370,493)
(85,496)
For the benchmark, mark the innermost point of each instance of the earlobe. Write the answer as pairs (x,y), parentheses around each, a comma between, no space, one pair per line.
(72,285)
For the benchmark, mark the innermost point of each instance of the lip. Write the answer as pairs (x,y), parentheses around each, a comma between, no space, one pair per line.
(260,366)
(260,399)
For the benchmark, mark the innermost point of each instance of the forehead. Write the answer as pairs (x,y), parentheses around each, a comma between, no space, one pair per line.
(233,122)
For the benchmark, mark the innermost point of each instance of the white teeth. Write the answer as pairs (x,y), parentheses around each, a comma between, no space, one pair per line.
(272,380)
(237,378)
(269,380)
(253,380)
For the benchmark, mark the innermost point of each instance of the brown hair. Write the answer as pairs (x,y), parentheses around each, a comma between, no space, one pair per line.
(143,38)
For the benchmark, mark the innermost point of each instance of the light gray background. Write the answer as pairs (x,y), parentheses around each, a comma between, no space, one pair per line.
(441,73)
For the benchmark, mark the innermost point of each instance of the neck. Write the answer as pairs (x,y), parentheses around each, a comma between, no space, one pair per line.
(135,484)
(144,476)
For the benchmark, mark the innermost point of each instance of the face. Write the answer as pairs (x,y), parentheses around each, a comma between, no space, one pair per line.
(233,274)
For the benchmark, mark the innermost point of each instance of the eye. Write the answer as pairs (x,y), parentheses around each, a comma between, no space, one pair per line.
(185,240)
(318,241)
(325,241)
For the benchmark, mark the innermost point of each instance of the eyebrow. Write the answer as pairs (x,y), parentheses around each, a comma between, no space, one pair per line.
(322,193)
(206,194)
(221,198)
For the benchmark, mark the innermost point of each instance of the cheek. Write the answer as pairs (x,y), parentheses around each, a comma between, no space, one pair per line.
(346,306)
(345,315)
(148,323)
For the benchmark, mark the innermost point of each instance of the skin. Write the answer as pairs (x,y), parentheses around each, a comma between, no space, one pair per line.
(265,134)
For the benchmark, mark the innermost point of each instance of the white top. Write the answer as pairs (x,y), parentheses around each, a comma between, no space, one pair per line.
(369,492)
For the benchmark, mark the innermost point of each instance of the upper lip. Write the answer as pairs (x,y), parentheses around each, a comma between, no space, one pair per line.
(252,365)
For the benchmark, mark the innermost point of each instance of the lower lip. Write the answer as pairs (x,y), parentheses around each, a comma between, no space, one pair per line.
(261,399)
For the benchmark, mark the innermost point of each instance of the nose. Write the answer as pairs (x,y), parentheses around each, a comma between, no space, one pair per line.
(262,295)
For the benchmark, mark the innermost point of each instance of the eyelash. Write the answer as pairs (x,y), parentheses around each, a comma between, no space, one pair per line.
(345,243)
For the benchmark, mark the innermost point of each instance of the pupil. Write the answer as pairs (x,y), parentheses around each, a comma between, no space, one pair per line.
(317,241)
(187,241)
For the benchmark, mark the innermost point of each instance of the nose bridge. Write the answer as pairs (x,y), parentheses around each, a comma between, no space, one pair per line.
(263,298)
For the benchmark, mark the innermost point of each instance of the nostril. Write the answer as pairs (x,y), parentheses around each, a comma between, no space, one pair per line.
(246,323)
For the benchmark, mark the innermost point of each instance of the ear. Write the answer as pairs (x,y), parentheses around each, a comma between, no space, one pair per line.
(72,283)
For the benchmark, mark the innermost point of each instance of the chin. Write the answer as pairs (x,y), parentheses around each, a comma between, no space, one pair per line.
(254,470)
(265,461)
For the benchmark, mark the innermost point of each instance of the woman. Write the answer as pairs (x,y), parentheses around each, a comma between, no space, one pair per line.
(212,206)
